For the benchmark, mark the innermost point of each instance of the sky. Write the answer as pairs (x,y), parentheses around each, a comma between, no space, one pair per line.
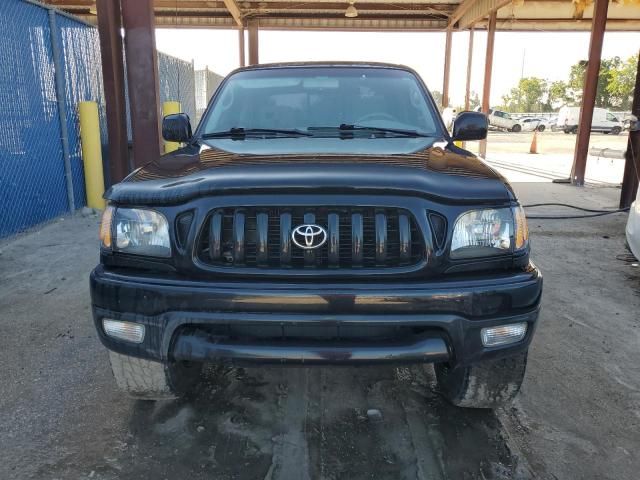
(547,55)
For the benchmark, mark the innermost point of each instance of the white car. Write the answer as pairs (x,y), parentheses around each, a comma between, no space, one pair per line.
(503,120)
(633,227)
(530,124)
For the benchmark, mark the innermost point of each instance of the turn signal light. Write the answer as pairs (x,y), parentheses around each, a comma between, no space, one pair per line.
(503,335)
(129,331)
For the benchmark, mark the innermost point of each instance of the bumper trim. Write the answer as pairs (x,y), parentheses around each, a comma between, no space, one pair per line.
(201,347)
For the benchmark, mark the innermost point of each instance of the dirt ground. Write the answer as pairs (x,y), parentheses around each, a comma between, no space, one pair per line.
(577,417)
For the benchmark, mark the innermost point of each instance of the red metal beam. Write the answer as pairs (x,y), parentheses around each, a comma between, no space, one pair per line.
(241,53)
(598,26)
(632,163)
(447,68)
(488,69)
(467,92)
(109,28)
(253,43)
(142,79)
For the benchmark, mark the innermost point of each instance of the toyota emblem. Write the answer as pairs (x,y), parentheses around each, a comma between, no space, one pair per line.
(309,236)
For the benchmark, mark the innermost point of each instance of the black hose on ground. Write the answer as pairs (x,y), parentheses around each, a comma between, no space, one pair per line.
(593,213)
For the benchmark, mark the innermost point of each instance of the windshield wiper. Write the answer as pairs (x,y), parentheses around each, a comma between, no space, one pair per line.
(241,133)
(347,128)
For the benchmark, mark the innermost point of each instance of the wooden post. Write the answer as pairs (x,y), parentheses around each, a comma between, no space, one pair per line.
(109,28)
(142,79)
(598,26)
(447,68)
(632,163)
(467,92)
(253,44)
(488,68)
(243,60)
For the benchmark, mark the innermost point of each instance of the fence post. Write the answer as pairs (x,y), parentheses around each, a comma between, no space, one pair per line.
(62,107)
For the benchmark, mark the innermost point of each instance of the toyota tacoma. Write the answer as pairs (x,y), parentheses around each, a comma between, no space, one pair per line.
(320,214)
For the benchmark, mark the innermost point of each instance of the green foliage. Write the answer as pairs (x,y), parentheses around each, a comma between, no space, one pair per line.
(528,96)
(616,83)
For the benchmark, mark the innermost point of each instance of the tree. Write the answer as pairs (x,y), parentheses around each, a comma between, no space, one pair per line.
(527,96)
(622,82)
(558,95)
(612,88)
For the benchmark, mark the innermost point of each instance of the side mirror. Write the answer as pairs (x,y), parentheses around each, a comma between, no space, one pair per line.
(176,128)
(470,126)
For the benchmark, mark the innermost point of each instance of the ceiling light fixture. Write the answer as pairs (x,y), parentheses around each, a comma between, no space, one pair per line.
(352,11)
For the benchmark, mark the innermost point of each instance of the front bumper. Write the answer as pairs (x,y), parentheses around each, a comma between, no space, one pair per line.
(257,322)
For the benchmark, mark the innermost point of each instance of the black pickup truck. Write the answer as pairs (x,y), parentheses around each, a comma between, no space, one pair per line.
(321,214)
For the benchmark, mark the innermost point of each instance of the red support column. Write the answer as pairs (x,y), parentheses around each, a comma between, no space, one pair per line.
(243,60)
(447,68)
(598,26)
(253,43)
(488,69)
(109,29)
(467,92)
(142,77)
(632,163)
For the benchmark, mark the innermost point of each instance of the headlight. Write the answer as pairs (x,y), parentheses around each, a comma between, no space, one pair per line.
(482,233)
(135,231)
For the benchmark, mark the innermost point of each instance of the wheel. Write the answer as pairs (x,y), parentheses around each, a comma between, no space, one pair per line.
(616,130)
(567,131)
(516,128)
(541,128)
(488,384)
(149,380)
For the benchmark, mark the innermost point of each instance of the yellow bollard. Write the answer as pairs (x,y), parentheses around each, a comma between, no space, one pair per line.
(91,154)
(169,108)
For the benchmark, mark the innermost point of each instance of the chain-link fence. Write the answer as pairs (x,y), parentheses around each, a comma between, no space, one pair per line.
(49,62)
(206,84)
(177,82)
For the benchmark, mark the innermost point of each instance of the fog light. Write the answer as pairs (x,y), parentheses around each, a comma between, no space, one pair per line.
(132,332)
(494,336)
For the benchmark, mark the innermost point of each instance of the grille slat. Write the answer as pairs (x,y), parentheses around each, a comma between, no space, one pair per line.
(238,237)
(309,255)
(333,229)
(357,238)
(357,234)
(262,242)
(404,234)
(215,235)
(381,238)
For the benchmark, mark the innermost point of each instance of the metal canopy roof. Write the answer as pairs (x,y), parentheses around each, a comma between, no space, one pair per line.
(398,15)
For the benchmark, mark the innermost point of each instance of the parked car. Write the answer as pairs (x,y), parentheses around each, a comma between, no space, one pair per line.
(504,121)
(602,121)
(530,124)
(320,214)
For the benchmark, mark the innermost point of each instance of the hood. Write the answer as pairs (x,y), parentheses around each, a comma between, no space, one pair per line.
(447,175)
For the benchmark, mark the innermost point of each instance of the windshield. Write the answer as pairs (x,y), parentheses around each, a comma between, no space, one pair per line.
(315,100)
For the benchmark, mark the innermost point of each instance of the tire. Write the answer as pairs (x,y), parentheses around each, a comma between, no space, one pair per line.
(516,128)
(616,131)
(487,384)
(149,380)
(541,128)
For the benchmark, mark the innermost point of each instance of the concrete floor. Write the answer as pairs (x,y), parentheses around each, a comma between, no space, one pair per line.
(577,417)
